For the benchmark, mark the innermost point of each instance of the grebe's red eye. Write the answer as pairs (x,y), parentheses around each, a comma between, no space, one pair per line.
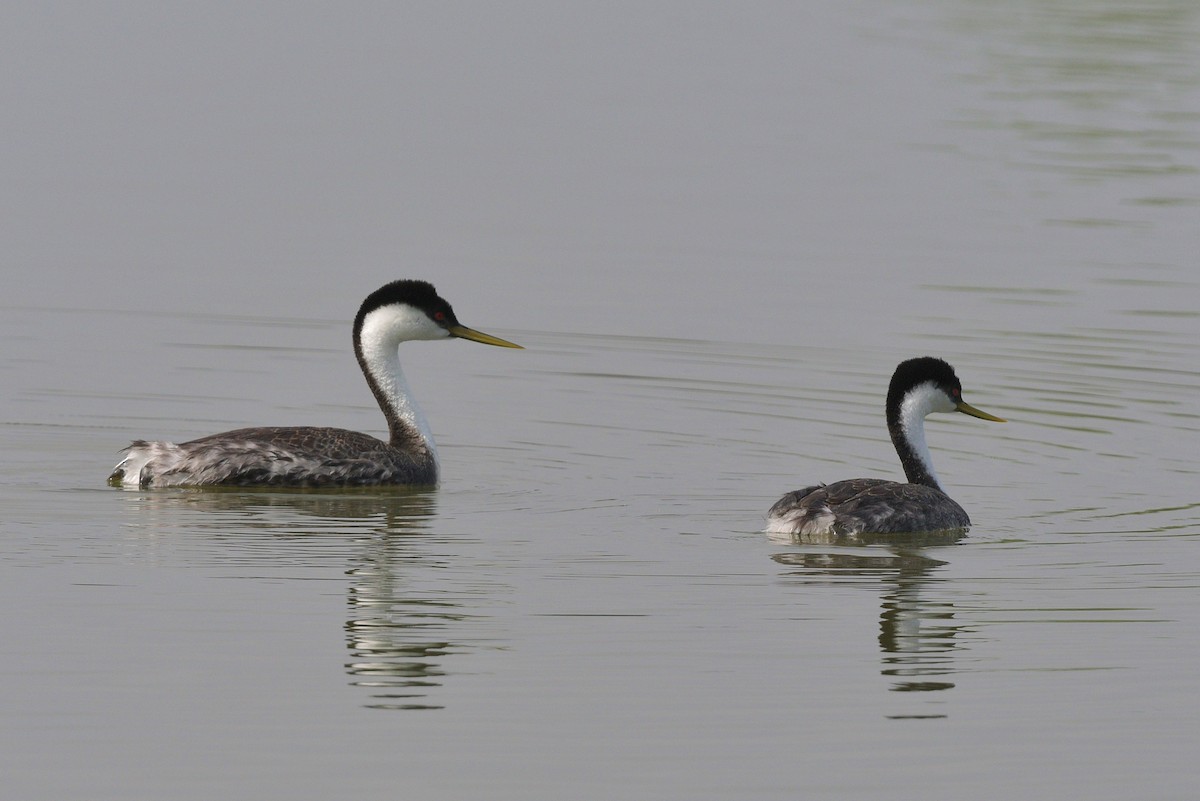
(439,316)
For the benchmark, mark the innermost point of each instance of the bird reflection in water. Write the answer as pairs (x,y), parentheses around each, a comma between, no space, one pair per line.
(406,614)
(398,639)
(917,636)
(404,611)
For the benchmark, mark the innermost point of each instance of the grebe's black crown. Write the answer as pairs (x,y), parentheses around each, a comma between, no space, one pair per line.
(914,372)
(419,294)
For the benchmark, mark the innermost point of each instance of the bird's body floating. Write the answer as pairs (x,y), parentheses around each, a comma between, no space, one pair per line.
(876,506)
(308,456)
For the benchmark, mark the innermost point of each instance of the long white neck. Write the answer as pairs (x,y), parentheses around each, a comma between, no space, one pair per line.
(382,332)
(908,432)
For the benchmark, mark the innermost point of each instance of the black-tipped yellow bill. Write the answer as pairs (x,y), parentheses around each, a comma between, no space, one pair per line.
(967,408)
(463,332)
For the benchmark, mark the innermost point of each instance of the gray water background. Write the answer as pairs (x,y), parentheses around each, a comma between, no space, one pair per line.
(716,229)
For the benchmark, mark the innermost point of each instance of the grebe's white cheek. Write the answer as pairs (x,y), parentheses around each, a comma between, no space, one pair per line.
(944,403)
(929,397)
(419,326)
(400,323)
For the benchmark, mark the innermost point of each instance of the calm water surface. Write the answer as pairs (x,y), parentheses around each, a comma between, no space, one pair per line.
(587,607)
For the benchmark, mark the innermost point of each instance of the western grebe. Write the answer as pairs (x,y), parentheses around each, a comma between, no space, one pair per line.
(874,505)
(308,456)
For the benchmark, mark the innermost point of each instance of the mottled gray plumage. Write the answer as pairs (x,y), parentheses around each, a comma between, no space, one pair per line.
(872,505)
(303,456)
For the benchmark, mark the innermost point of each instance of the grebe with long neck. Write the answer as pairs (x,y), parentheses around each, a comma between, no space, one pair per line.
(308,456)
(874,505)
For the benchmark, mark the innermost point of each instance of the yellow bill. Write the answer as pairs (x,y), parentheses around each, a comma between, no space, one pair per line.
(463,332)
(967,408)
